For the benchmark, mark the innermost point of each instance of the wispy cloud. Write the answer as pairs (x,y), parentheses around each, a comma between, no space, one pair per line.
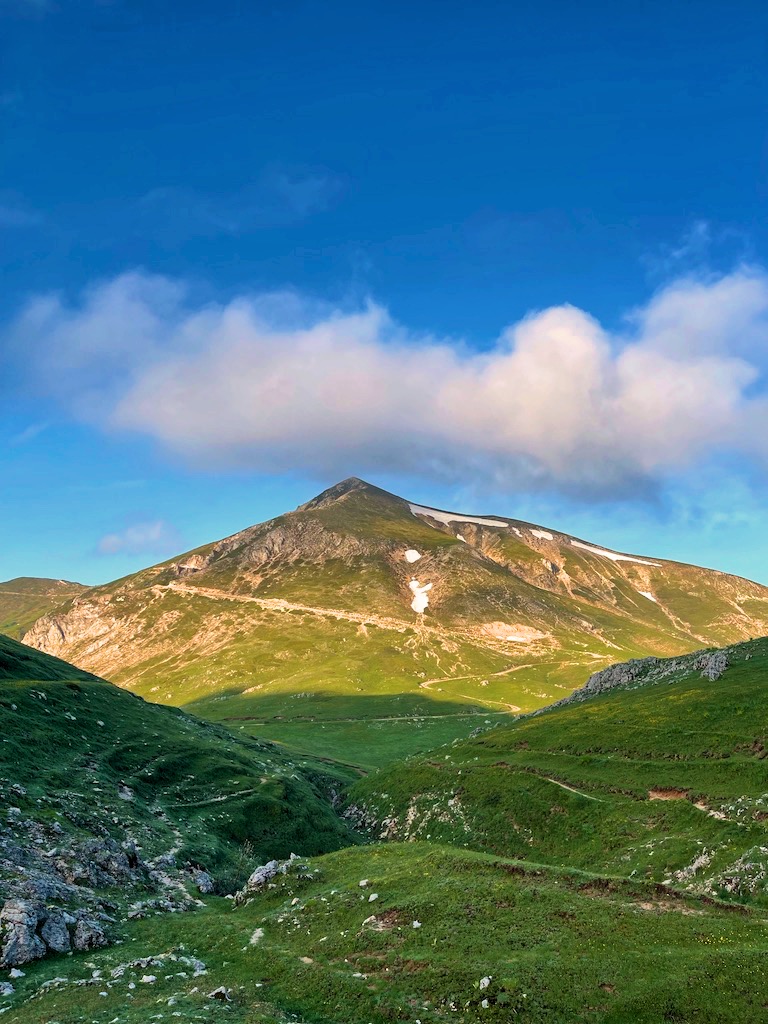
(279,196)
(275,383)
(155,537)
(29,433)
(700,248)
(14,212)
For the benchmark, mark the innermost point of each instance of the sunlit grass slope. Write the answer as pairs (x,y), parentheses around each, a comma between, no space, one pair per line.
(25,599)
(665,780)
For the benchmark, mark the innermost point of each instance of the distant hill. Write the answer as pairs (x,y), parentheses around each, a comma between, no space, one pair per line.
(364,627)
(25,599)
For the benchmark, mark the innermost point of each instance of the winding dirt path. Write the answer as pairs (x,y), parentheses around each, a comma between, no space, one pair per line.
(571,789)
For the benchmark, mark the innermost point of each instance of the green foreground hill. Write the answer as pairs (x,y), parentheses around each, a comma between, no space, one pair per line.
(662,776)
(82,760)
(303,629)
(451,936)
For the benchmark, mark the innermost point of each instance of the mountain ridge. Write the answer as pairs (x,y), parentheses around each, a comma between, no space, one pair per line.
(359,593)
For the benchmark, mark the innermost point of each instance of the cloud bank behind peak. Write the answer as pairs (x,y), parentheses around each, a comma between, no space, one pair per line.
(277,383)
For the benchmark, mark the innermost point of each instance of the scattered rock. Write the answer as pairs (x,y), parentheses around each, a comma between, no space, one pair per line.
(222,994)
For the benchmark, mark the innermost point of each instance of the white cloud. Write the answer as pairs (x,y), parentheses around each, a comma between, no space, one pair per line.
(275,383)
(157,537)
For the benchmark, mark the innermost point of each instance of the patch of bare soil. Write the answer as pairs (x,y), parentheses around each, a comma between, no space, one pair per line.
(671,793)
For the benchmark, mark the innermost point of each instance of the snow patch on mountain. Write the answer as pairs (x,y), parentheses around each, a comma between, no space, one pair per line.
(542,534)
(649,595)
(411,555)
(454,517)
(420,599)
(614,557)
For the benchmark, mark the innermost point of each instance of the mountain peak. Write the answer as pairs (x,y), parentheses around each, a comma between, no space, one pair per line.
(352,485)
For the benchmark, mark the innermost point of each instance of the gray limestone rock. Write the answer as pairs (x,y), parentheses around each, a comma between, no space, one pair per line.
(18,922)
(88,935)
(55,933)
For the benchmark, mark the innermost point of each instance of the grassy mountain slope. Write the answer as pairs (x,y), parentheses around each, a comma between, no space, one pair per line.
(25,599)
(662,777)
(301,628)
(497,941)
(602,861)
(94,760)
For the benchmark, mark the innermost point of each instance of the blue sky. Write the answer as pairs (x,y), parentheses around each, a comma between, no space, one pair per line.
(506,256)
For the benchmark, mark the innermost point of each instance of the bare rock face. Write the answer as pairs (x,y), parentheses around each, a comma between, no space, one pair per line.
(18,921)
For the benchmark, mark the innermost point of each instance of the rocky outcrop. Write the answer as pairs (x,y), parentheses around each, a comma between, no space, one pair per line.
(52,885)
(262,876)
(640,671)
(712,665)
(30,930)
(101,863)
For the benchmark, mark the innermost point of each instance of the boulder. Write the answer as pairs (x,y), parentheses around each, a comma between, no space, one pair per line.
(202,880)
(18,923)
(55,933)
(713,665)
(88,935)
(221,993)
(263,875)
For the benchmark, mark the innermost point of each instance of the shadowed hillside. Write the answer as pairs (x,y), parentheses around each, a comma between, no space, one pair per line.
(109,804)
